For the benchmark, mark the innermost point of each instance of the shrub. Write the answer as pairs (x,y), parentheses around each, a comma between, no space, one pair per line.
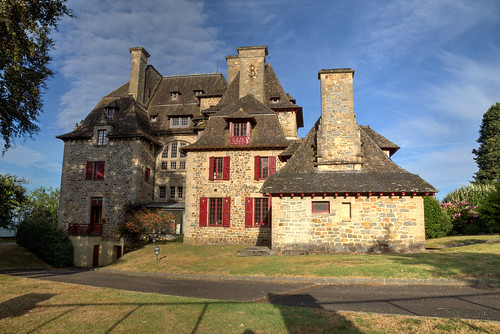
(489,211)
(464,217)
(437,222)
(46,241)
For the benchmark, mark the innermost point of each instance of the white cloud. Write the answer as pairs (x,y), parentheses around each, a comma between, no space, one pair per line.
(92,49)
(22,156)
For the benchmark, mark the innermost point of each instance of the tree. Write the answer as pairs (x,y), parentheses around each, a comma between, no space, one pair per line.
(488,154)
(437,222)
(12,197)
(42,203)
(25,27)
(151,223)
(489,210)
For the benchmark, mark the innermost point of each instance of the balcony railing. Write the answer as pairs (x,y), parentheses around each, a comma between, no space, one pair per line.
(84,229)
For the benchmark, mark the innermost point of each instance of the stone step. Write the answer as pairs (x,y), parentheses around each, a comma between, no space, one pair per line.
(255,251)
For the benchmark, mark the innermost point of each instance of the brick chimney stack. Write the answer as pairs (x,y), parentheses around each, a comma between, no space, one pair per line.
(338,138)
(139,57)
(252,77)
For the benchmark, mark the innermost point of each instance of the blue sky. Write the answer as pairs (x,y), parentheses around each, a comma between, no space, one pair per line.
(426,70)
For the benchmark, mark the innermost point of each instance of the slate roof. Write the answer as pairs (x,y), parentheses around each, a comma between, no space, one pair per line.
(379,173)
(266,130)
(129,120)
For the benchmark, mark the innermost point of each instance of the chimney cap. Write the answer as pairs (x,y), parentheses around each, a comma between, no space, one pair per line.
(335,70)
(139,48)
(257,47)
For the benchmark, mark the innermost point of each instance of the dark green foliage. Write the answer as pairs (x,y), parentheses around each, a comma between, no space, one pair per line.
(25,27)
(488,154)
(437,222)
(46,241)
(489,211)
(12,197)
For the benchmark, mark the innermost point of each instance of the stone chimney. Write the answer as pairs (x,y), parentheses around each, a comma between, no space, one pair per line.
(233,67)
(252,64)
(338,138)
(139,57)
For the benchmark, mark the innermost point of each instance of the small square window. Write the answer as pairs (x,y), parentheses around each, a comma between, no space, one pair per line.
(173,164)
(164,165)
(321,207)
(110,112)
(175,96)
(182,165)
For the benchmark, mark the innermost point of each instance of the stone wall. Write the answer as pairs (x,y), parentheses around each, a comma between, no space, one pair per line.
(207,102)
(240,185)
(353,224)
(288,122)
(123,181)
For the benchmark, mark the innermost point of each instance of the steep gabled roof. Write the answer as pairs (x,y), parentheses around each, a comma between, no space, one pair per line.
(380,140)
(129,120)
(379,174)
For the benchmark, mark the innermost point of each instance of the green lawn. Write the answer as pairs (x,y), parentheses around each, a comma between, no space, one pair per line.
(35,306)
(479,260)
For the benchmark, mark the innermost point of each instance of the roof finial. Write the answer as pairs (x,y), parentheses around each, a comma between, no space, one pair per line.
(217,71)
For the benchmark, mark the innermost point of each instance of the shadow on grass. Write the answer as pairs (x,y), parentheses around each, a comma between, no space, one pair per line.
(460,265)
(21,305)
(328,322)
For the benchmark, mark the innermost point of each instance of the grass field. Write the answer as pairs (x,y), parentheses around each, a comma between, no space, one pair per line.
(475,258)
(35,306)
(17,257)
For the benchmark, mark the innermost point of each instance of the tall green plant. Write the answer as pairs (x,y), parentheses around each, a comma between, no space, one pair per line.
(473,193)
(489,210)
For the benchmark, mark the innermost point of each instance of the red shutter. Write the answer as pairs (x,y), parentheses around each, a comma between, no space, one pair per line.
(211,169)
(203,212)
(257,167)
(270,210)
(226,168)
(226,211)
(90,168)
(272,165)
(248,212)
(100,170)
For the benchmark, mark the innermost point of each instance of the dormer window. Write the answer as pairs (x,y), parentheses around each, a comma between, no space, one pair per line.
(180,122)
(198,92)
(153,118)
(101,137)
(275,100)
(174,95)
(239,133)
(110,112)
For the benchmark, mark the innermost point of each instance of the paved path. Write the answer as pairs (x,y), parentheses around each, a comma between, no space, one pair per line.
(467,302)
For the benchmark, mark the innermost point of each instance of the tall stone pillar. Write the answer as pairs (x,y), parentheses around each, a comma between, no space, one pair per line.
(338,138)
(137,83)
(252,66)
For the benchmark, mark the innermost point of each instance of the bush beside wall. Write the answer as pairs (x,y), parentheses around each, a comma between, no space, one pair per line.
(46,241)
(437,222)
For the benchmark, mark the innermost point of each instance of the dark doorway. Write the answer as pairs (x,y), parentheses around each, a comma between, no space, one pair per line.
(95,259)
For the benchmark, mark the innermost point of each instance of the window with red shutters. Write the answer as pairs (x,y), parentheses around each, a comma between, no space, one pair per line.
(94,170)
(264,167)
(219,168)
(215,211)
(147,171)
(257,212)
(226,212)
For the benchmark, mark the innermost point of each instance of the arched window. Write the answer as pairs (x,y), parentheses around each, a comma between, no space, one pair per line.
(172,158)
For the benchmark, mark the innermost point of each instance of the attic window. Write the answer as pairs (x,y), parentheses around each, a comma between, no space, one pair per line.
(239,133)
(275,100)
(198,92)
(180,122)
(110,112)
(153,118)
(175,95)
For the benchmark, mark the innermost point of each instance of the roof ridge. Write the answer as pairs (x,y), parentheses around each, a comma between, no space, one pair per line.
(192,75)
